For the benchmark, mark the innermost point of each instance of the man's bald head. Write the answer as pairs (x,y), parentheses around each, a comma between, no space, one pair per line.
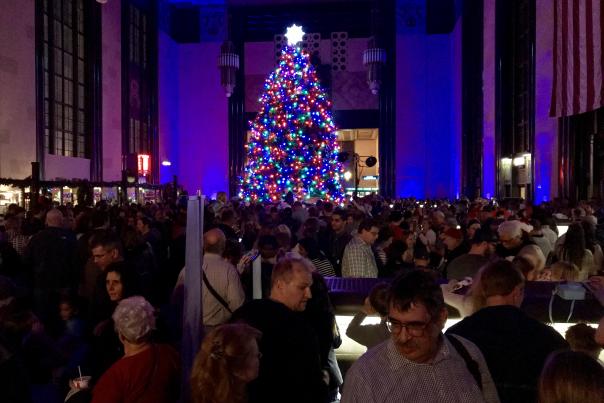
(214,241)
(54,218)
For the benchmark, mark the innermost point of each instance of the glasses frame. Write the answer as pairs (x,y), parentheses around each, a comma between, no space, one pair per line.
(415,329)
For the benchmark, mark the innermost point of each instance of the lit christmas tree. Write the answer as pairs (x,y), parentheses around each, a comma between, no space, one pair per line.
(292,147)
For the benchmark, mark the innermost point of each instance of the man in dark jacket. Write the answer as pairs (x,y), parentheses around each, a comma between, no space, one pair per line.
(50,260)
(333,240)
(290,366)
(514,345)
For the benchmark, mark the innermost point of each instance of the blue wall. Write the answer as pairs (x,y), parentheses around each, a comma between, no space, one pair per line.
(428,112)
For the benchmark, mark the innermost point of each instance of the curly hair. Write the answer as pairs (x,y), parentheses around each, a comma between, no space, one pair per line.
(223,354)
(134,319)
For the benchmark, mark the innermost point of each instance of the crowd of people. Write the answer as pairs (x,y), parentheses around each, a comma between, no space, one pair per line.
(91,302)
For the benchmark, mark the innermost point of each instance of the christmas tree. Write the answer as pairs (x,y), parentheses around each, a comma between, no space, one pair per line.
(292,145)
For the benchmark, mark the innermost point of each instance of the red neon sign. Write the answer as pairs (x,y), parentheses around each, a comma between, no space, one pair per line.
(144,164)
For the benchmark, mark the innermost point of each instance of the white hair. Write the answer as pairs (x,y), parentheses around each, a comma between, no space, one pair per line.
(134,318)
(513,229)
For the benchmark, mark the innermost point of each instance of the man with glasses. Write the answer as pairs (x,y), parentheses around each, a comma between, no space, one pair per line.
(418,363)
(359,260)
(513,236)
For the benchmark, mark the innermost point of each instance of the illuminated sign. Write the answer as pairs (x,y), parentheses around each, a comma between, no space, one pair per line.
(144,164)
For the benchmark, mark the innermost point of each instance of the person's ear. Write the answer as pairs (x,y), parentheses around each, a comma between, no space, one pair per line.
(442,317)
(519,291)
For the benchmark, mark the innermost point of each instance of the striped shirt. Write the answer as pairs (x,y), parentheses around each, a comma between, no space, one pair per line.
(324,267)
(383,375)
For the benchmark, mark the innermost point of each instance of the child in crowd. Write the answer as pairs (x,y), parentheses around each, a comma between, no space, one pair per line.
(581,337)
(375,303)
(71,342)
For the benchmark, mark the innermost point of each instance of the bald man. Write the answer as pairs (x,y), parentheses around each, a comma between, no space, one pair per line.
(221,292)
(50,261)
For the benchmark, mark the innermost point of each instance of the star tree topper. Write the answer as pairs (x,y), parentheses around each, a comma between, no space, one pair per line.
(294,35)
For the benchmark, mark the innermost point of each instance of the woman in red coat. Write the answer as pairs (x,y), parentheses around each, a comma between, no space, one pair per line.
(147,372)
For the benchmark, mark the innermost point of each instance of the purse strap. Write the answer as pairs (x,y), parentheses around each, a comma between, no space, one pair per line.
(470,362)
(214,292)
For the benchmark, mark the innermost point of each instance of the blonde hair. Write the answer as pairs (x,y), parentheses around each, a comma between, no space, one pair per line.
(223,354)
(563,270)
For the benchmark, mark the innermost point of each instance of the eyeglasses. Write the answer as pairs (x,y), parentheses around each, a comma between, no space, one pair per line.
(415,329)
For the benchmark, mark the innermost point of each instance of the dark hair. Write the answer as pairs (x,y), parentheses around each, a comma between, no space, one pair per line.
(590,235)
(268,240)
(311,227)
(367,224)
(98,218)
(378,298)
(127,277)
(483,234)
(108,240)
(72,300)
(227,215)
(395,216)
(312,248)
(416,286)
(420,251)
(384,234)
(340,212)
(573,248)
(145,220)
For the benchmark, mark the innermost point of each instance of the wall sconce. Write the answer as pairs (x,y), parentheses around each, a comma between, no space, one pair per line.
(373,59)
(228,62)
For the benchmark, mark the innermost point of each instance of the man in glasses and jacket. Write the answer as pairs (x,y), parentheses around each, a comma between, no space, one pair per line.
(418,363)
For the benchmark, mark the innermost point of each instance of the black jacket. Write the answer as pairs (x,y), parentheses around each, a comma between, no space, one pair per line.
(514,346)
(290,367)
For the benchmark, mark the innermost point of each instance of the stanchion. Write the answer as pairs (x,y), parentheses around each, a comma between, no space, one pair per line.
(192,331)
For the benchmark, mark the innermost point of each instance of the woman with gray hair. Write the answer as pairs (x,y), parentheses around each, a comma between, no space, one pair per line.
(148,372)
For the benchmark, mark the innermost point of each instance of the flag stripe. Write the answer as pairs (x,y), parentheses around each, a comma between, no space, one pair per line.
(582,96)
(589,44)
(564,47)
(575,91)
(601,64)
(578,61)
(553,109)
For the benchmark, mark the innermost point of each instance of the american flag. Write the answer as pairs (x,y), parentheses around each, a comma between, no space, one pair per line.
(577,57)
